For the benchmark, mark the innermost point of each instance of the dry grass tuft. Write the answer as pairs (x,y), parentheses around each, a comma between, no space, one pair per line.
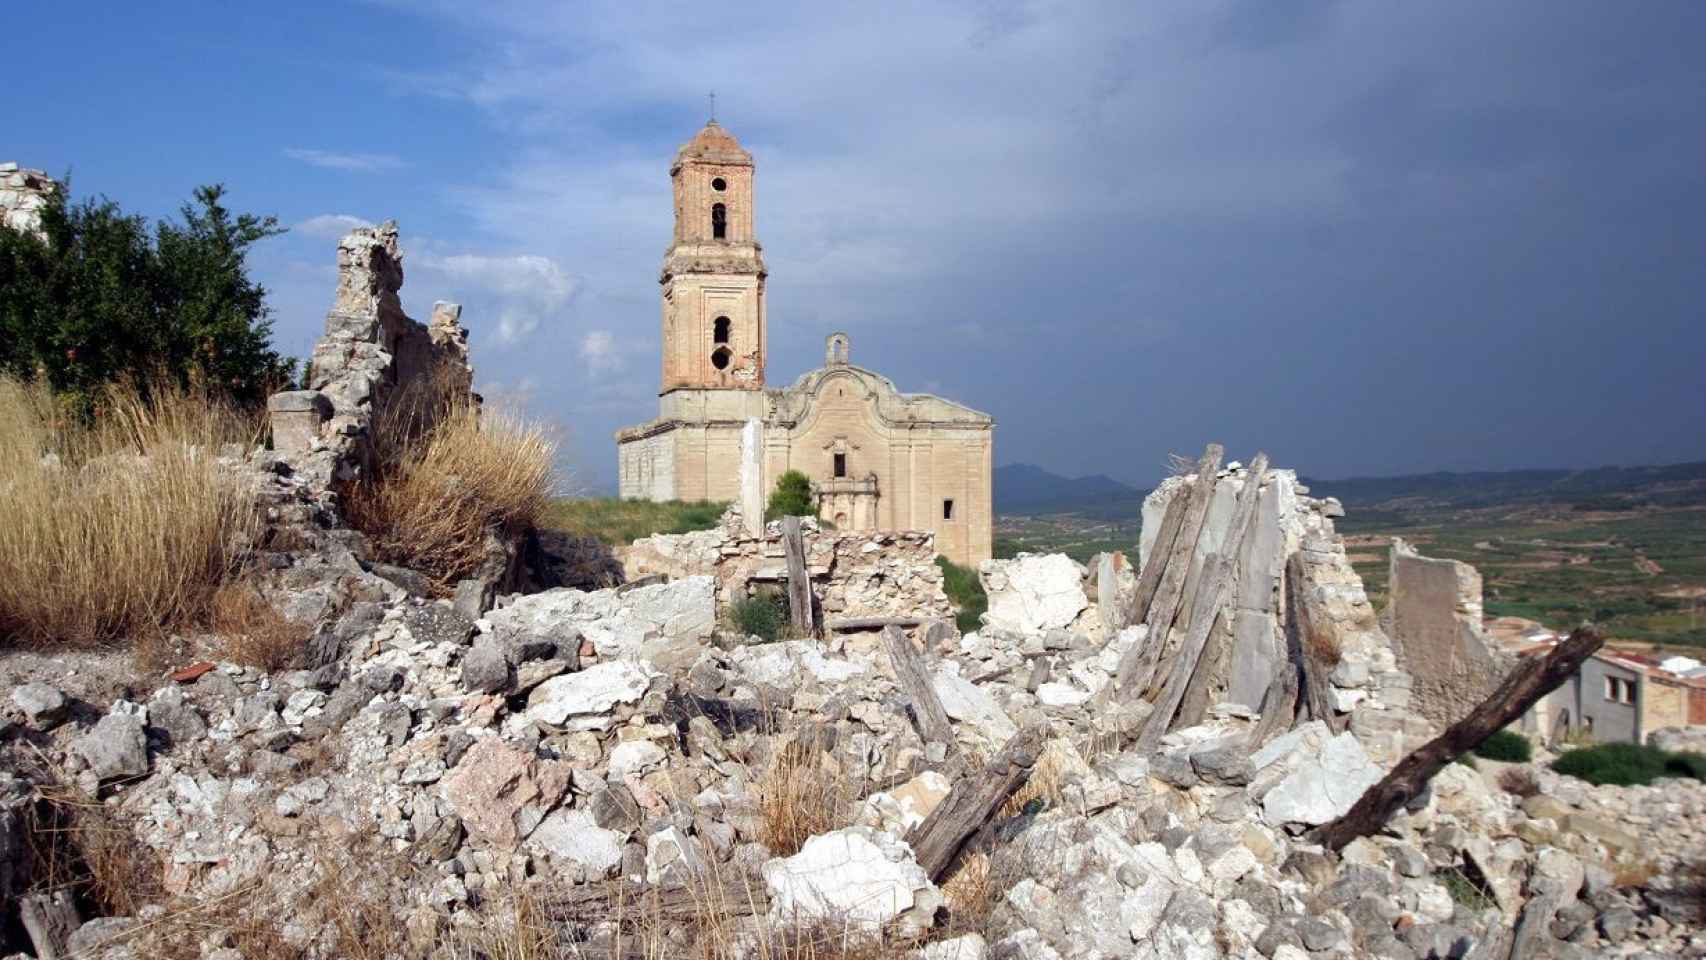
(76,843)
(1519,782)
(132,513)
(800,797)
(251,632)
(437,494)
(1045,787)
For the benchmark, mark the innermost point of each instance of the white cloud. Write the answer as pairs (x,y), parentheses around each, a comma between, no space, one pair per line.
(331,226)
(525,289)
(333,160)
(602,352)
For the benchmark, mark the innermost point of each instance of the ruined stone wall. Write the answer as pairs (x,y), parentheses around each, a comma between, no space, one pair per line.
(854,574)
(1434,614)
(372,359)
(1369,684)
(23,192)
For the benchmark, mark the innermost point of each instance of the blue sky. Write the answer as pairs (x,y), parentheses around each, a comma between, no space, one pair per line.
(1368,238)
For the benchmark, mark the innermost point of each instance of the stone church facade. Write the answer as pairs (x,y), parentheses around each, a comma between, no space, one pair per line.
(878,459)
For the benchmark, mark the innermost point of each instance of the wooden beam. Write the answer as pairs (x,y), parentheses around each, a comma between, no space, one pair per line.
(799,580)
(49,920)
(851,624)
(730,895)
(973,800)
(914,679)
(1139,663)
(1279,706)
(1219,577)
(1150,577)
(1532,678)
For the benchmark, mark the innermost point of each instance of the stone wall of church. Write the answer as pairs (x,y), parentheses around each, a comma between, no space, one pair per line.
(646,468)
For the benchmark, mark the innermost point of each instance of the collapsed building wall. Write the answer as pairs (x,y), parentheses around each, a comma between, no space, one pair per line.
(1433,614)
(372,360)
(855,574)
(1255,636)
(23,194)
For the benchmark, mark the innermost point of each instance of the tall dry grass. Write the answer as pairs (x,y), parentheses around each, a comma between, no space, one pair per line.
(120,527)
(437,491)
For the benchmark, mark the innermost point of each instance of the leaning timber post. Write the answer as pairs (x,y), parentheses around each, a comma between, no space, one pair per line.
(974,800)
(799,579)
(1172,568)
(1532,679)
(914,680)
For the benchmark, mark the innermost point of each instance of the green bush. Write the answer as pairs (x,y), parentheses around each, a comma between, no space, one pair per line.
(1687,765)
(104,299)
(1628,764)
(1507,746)
(763,615)
(965,591)
(792,497)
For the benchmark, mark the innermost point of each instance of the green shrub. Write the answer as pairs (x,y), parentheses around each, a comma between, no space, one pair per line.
(792,497)
(763,615)
(1464,890)
(965,591)
(1628,764)
(620,522)
(104,299)
(1507,746)
(1687,765)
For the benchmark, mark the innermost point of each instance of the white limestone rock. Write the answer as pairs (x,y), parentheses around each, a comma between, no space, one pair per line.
(583,700)
(1033,592)
(633,757)
(667,623)
(573,835)
(970,704)
(1323,785)
(855,875)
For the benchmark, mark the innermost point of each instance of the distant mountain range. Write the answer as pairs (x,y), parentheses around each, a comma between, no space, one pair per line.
(1027,490)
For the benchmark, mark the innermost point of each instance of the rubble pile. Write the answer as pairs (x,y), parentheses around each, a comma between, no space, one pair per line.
(568,745)
(856,575)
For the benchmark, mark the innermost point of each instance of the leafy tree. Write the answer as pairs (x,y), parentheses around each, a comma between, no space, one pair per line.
(101,298)
(792,497)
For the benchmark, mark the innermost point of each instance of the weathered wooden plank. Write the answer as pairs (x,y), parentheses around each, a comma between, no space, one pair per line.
(799,580)
(1041,667)
(733,894)
(973,800)
(852,624)
(1279,706)
(49,920)
(914,679)
(1531,679)
(1317,651)
(1150,577)
(1139,663)
(1219,576)
(1193,707)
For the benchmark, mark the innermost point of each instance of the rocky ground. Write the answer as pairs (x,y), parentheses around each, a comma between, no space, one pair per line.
(568,739)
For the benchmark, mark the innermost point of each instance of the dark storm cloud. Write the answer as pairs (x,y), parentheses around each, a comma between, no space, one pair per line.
(1370,238)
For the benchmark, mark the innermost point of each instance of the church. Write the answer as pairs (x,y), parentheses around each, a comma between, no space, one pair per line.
(878,459)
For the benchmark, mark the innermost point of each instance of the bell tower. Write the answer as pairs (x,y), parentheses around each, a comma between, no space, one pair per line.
(714,324)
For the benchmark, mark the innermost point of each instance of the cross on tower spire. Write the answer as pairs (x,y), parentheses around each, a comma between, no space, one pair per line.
(713,96)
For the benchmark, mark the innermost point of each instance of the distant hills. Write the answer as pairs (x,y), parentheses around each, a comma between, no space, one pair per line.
(1028,490)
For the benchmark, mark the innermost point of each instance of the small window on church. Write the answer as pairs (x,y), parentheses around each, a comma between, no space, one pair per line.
(719,221)
(841,464)
(720,330)
(720,359)
(719,185)
(947,509)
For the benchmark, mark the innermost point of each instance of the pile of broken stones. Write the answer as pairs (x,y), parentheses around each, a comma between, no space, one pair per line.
(568,739)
